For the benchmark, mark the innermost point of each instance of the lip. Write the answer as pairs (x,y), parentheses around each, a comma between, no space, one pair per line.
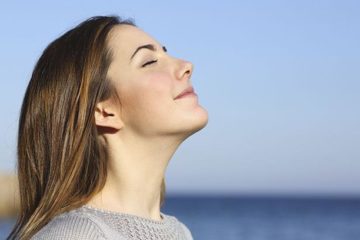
(189,90)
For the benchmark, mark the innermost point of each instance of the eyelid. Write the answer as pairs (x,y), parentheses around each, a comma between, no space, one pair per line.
(153,61)
(149,63)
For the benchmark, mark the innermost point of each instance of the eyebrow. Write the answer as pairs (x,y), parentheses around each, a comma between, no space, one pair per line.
(147,46)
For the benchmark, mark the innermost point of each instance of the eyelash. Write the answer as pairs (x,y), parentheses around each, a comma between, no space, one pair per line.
(148,63)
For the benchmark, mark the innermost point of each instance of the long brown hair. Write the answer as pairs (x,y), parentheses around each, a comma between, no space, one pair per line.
(61,164)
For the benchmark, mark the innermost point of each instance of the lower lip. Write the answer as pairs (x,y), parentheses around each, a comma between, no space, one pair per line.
(191,94)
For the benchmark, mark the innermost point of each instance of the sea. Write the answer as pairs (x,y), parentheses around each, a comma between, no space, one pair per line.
(260,218)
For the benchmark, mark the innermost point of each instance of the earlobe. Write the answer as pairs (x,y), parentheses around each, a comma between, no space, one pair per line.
(107,118)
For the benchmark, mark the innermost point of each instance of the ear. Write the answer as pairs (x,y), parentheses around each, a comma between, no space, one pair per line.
(107,115)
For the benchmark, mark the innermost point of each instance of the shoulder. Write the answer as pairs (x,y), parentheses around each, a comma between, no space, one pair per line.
(71,225)
(182,226)
(186,230)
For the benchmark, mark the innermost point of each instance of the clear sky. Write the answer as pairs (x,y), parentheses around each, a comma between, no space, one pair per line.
(280,80)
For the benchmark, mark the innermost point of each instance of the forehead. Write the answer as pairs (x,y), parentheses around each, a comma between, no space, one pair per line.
(124,39)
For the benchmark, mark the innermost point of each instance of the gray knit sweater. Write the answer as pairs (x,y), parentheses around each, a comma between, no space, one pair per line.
(90,223)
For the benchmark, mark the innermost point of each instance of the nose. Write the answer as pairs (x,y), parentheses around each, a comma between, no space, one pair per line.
(184,70)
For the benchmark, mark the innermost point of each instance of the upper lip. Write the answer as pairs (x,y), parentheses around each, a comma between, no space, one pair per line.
(187,90)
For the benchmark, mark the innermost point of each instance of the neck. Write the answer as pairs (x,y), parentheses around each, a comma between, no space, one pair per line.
(136,169)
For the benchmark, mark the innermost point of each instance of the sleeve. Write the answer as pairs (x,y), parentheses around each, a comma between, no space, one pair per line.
(70,228)
(188,235)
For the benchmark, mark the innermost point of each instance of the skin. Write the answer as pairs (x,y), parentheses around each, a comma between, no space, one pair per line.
(146,125)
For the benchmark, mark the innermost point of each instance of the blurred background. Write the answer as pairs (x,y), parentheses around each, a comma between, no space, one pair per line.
(280,156)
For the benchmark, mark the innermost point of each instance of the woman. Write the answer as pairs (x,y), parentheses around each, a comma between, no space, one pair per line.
(105,110)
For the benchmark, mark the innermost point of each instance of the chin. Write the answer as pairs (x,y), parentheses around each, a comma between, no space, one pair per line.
(197,122)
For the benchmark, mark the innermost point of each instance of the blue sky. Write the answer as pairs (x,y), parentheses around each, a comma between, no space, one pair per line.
(280,80)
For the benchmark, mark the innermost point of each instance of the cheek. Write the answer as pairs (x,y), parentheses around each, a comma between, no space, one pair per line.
(149,96)
(155,87)
(157,84)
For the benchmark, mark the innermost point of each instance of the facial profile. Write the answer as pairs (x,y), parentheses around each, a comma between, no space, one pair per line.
(105,109)
(148,80)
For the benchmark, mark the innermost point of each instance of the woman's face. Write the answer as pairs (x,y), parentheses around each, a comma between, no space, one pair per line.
(147,81)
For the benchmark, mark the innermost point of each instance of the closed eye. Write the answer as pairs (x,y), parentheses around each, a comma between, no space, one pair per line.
(148,63)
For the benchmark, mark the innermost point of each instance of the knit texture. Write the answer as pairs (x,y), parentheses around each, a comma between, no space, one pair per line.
(91,223)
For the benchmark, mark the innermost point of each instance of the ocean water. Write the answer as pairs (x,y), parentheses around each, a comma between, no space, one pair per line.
(260,218)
